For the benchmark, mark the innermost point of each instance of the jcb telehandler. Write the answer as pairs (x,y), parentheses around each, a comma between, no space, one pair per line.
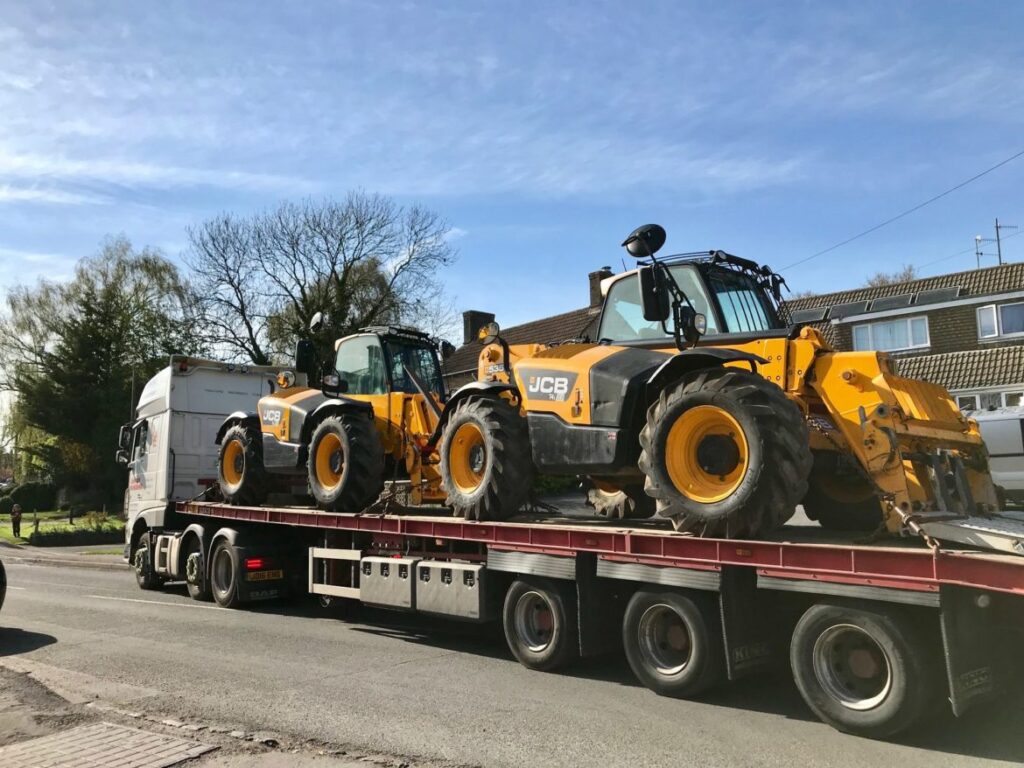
(368,421)
(700,395)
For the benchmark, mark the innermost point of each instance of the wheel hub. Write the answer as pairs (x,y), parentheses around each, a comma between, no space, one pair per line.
(664,640)
(476,459)
(534,621)
(718,454)
(851,667)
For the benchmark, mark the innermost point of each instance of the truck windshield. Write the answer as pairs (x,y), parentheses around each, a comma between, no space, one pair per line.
(418,358)
(743,306)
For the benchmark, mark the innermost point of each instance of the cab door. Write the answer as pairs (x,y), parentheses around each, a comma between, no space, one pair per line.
(361,366)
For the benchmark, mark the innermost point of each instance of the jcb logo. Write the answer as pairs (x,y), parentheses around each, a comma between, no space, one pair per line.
(272,417)
(548,385)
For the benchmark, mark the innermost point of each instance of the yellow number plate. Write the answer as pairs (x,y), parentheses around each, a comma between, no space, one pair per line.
(264,575)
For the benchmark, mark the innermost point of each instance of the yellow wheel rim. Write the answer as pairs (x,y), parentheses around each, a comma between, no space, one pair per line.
(706,454)
(467,458)
(233,462)
(330,462)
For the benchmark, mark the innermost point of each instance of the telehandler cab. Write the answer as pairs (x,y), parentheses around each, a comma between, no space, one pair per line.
(700,395)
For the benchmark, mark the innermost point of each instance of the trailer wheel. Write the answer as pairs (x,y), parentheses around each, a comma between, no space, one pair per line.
(862,671)
(142,562)
(672,643)
(196,578)
(224,575)
(240,472)
(540,623)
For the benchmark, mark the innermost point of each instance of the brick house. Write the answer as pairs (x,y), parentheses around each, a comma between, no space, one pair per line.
(964,330)
(461,366)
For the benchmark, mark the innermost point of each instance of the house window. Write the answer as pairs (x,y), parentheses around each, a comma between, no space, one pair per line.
(890,335)
(1012,399)
(967,402)
(995,321)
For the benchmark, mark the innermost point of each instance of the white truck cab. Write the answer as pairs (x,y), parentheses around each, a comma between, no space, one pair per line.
(170,448)
(1003,432)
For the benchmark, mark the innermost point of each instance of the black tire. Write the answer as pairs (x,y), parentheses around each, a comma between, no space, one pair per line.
(629,503)
(880,692)
(240,472)
(838,497)
(142,562)
(673,643)
(486,469)
(345,468)
(743,486)
(196,576)
(224,575)
(539,619)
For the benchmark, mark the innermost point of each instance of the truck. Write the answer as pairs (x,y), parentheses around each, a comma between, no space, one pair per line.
(1003,431)
(878,633)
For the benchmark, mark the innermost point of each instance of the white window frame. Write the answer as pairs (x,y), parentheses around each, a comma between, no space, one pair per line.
(910,335)
(976,395)
(974,407)
(998,321)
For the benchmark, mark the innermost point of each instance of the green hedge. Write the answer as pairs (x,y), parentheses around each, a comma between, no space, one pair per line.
(6,505)
(95,531)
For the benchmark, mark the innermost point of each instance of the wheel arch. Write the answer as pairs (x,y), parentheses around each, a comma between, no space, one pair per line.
(697,358)
(462,393)
(197,531)
(238,417)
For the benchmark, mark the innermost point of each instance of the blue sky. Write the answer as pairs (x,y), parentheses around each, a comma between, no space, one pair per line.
(543,132)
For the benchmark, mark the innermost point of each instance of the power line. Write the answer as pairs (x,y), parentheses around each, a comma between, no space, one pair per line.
(907,212)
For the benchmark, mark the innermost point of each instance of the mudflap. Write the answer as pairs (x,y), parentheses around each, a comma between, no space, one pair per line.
(746,631)
(268,581)
(601,604)
(977,646)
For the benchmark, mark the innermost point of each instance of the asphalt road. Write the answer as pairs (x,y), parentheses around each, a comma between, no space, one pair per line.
(430,691)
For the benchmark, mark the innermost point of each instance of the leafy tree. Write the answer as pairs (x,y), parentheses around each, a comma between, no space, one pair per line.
(908,272)
(74,352)
(362,261)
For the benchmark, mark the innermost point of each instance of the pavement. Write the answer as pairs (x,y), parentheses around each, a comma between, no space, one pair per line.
(295,685)
(82,556)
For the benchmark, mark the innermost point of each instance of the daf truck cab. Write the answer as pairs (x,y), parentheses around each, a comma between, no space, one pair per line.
(170,448)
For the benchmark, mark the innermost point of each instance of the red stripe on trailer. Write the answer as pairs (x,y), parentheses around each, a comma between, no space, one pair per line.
(901,567)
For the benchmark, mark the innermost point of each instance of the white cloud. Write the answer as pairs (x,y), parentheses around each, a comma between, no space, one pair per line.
(15,194)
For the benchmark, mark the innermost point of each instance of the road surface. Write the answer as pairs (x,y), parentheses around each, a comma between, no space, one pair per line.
(430,692)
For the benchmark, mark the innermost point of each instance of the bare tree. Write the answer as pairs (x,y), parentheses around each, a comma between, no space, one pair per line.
(908,272)
(363,261)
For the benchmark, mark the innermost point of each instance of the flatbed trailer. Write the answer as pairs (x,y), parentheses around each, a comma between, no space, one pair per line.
(877,634)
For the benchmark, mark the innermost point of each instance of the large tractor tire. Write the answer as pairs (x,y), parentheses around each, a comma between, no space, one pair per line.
(240,472)
(486,468)
(346,463)
(838,497)
(627,503)
(725,453)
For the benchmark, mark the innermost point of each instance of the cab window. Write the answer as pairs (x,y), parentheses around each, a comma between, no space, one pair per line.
(419,359)
(623,318)
(140,440)
(360,363)
(741,301)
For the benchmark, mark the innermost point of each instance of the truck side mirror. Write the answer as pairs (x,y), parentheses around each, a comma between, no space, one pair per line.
(653,296)
(124,437)
(121,457)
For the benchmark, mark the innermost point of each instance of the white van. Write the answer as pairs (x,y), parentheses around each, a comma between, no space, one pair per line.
(1003,432)
(170,448)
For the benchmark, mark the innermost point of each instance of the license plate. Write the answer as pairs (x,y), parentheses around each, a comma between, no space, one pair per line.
(264,575)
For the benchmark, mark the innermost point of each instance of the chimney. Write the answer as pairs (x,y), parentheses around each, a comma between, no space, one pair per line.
(472,321)
(595,285)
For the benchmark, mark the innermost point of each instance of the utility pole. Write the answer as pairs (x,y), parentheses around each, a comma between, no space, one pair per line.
(999,242)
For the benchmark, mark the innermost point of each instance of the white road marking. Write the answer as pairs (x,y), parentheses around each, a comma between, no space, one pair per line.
(156,602)
(10,587)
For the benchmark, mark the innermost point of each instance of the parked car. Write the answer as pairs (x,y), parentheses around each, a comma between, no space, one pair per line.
(1003,431)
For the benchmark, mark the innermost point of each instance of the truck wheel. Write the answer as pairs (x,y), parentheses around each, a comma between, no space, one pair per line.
(725,453)
(619,503)
(672,643)
(862,671)
(540,623)
(240,472)
(224,575)
(142,562)
(838,498)
(346,463)
(196,578)
(486,468)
